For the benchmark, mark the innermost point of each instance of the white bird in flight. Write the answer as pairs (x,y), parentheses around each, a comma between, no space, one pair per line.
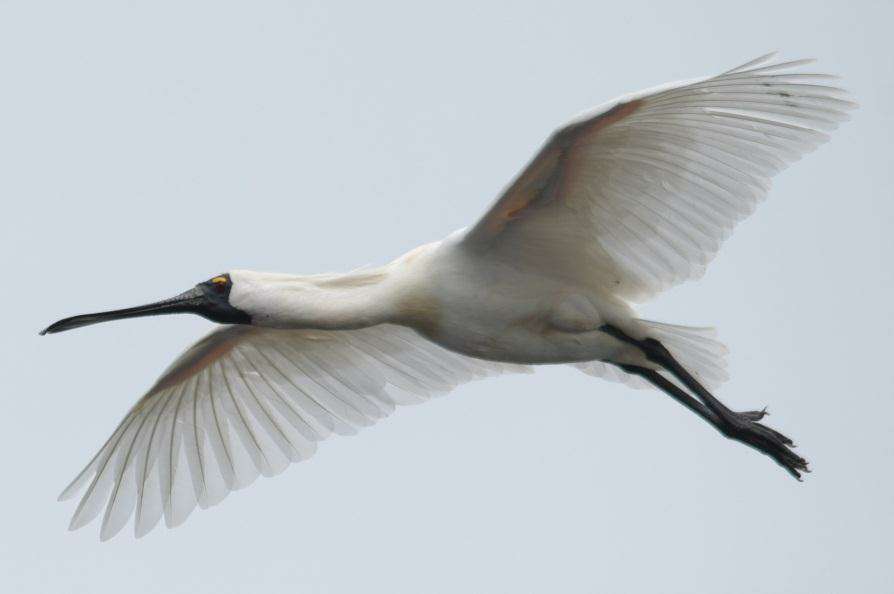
(621,203)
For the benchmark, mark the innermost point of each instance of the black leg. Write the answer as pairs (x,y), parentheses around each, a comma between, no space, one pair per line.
(741,427)
(669,388)
(657,353)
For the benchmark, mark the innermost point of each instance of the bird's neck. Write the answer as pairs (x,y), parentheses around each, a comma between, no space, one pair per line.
(325,302)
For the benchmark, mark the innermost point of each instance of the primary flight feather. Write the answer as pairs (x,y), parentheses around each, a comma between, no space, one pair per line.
(618,205)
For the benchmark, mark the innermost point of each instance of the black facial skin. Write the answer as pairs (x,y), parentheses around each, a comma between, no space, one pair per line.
(216,306)
(209,299)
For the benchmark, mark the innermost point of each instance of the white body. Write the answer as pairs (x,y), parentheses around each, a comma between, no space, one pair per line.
(618,205)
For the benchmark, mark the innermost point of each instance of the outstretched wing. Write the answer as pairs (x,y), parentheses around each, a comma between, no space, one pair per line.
(245,401)
(641,192)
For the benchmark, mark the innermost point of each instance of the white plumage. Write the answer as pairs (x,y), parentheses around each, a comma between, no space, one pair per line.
(619,204)
(660,184)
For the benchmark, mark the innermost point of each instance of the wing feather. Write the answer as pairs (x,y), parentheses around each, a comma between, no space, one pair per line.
(247,401)
(640,194)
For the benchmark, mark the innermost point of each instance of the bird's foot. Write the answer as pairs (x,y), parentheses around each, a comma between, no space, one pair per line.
(743,427)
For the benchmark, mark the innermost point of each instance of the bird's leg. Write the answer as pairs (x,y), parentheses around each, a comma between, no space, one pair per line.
(735,425)
(675,392)
(657,353)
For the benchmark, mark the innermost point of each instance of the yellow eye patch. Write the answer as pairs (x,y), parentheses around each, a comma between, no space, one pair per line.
(219,280)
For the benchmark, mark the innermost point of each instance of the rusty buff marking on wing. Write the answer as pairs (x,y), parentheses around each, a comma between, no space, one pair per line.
(197,362)
(527,189)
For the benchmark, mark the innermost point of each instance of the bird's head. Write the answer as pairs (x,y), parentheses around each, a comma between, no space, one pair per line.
(209,299)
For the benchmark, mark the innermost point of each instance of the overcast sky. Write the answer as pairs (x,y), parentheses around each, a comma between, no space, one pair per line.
(149,145)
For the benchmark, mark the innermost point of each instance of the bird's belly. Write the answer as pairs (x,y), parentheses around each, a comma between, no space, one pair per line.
(526,348)
(494,311)
(524,331)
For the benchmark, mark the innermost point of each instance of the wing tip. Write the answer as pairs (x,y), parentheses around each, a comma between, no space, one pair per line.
(754,62)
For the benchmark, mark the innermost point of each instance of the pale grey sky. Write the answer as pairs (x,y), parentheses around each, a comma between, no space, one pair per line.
(149,145)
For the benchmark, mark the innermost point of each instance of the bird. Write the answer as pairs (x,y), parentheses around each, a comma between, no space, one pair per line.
(619,204)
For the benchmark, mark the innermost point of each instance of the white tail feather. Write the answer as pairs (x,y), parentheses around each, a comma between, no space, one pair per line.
(697,350)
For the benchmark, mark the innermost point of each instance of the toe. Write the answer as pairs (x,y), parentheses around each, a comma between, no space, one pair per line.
(755,415)
(773,434)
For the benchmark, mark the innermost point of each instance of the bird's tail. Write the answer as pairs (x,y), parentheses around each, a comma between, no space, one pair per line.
(696,349)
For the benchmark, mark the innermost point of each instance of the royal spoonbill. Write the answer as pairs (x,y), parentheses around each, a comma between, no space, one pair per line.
(619,204)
